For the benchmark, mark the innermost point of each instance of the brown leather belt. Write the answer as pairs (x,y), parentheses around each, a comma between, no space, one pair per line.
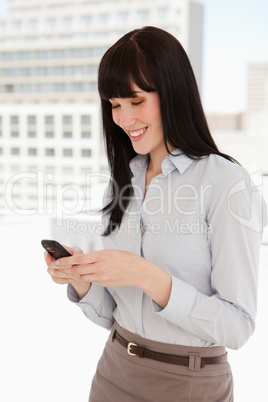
(135,350)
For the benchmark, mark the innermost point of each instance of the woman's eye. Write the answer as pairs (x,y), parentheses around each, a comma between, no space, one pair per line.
(136,103)
(115,106)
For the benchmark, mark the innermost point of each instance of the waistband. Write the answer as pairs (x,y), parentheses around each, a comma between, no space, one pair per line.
(194,358)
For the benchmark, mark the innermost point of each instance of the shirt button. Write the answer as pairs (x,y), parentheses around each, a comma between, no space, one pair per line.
(156,181)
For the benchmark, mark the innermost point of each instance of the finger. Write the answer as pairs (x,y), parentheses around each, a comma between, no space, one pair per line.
(47,257)
(74,250)
(81,269)
(62,281)
(79,259)
(77,251)
(56,273)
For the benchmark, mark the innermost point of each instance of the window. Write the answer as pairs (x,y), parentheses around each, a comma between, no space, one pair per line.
(59,87)
(104,19)
(51,23)
(66,170)
(97,51)
(15,168)
(40,71)
(92,69)
(16,25)
(69,70)
(31,120)
(1,151)
(85,120)
(32,168)
(43,54)
(24,72)
(50,152)
(14,120)
(67,134)
(68,22)
(49,134)
(15,151)
(14,134)
(67,120)
(32,151)
(10,72)
(123,17)
(49,120)
(32,197)
(8,88)
(33,24)
(32,184)
(77,86)
(60,53)
(85,153)
(86,20)
(85,170)
(143,15)
(68,152)
(2,27)
(31,134)
(85,134)
(163,14)
(50,169)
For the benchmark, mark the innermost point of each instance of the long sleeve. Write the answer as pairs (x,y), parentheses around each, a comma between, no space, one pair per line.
(97,305)
(226,317)
(203,221)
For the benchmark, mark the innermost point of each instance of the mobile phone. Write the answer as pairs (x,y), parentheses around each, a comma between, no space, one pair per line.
(55,249)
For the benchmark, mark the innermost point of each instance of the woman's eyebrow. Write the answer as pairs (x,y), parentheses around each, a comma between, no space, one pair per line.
(137,92)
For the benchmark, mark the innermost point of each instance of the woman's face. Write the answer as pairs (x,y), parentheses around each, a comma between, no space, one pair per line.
(140,118)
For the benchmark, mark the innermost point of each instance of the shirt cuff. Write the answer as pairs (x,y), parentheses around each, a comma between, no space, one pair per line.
(72,294)
(91,297)
(181,302)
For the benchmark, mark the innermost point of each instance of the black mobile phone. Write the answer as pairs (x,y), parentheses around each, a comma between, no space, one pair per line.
(55,249)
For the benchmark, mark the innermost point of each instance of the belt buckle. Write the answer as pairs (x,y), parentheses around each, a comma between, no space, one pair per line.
(130,344)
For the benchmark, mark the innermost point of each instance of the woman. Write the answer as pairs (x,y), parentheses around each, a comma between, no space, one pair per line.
(176,281)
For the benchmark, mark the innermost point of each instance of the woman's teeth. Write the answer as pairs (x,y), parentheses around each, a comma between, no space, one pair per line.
(137,133)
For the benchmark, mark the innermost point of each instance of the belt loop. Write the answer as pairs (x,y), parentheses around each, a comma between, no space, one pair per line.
(194,362)
(113,334)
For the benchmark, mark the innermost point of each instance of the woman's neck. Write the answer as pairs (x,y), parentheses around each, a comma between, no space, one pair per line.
(156,159)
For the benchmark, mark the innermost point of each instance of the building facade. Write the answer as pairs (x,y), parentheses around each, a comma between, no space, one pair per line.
(49,107)
(254,119)
(256,115)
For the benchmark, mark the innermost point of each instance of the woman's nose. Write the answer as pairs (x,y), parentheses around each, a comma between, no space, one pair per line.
(126,118)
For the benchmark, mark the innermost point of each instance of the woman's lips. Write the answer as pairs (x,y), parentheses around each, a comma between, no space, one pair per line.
(137,135)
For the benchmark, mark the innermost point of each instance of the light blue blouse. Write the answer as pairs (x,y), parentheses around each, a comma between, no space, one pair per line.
(203,221)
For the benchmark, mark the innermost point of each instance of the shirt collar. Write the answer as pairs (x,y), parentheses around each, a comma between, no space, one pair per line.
(138,163)
(177,160)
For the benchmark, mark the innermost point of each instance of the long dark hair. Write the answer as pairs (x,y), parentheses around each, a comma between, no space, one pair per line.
(155,61)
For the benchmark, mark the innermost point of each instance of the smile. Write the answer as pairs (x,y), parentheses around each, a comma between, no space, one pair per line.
(137,133)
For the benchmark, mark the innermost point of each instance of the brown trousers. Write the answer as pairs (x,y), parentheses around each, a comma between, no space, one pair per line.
(124,378)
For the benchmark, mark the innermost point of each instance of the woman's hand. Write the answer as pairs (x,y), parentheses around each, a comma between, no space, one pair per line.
(66,276)
(107,267)
(115,268)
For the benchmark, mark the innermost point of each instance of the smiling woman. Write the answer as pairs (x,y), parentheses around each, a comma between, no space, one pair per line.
(176,280)
(140,118)
(156,66)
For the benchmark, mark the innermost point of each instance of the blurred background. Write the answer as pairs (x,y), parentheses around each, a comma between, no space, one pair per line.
(53,168)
